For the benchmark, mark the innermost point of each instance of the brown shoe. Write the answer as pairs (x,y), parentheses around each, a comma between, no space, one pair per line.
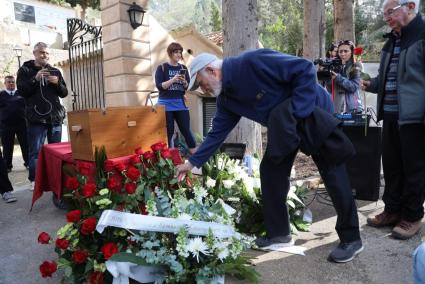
(383,219)
(405,230)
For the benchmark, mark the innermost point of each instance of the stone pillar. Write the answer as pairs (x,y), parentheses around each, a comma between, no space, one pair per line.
(127,64)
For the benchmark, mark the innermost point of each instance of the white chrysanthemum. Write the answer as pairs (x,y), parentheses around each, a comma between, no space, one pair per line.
(257,183)
(249,185)
(197,246)
(299,183)
(184,216)
(223,254)
(200,193)
(228,183)
(210,182)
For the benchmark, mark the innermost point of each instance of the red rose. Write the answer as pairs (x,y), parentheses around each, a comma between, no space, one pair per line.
(72,183)
(175,156)
(73,216)
(109,249)
(120,166)
(47,268)
(158,146)
(113,183)
(43,238)
(130,187)
(88,226)
(166,154)
(89,190)
(148,155)
(135,159)
(142,208)
(358,51)
(138,151)
(62,243)
(133,173)
(96,277)
(80,256)
(108,166)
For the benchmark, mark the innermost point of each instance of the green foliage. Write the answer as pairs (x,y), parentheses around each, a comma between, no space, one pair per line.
(215,18)
(281,25)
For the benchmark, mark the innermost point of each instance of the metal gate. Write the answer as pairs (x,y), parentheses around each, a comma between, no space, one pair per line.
(86,65)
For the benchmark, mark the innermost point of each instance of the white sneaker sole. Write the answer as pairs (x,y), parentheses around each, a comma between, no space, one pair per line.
(351,258)
(277,246)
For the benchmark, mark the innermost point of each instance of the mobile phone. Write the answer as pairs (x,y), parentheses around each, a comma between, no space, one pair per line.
(54,73)
(182,72)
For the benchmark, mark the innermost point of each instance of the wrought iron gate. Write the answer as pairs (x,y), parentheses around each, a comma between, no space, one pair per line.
(86,65)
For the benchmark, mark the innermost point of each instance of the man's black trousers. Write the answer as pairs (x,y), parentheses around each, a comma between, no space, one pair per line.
(5,184)
(275,187)
(8,141)
(403,160)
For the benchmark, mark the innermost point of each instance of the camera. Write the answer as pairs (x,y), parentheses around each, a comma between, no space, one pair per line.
(328,65)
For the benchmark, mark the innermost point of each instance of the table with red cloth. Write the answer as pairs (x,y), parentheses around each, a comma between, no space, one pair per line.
(49,171)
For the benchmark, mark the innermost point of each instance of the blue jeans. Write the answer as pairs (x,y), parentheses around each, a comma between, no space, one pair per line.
(419,264)
(37,134)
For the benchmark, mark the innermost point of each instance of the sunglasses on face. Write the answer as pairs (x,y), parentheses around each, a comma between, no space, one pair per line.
(346,42)
(391,12)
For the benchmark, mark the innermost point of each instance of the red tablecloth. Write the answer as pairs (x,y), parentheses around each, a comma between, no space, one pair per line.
(49,168)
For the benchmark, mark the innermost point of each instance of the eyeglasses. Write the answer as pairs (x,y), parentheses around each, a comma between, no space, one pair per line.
(343,51)
(391,12)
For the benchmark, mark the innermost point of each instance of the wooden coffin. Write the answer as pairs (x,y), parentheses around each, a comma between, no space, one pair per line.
(120,129)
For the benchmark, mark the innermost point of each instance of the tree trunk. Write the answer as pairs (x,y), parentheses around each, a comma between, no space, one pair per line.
(313,42)
(240,32)
(344,20)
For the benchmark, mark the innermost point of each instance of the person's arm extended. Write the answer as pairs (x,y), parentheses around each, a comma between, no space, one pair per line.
(223,122)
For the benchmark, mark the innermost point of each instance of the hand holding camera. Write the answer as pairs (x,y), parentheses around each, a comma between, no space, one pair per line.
(46,76)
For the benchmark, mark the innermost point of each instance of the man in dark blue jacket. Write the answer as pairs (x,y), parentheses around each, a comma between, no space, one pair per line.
(13,122)
(252,85)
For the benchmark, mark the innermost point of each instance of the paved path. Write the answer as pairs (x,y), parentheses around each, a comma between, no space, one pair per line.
(384,259)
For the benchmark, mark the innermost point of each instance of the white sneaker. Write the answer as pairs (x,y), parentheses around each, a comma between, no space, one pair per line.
(8,197)
(31,186)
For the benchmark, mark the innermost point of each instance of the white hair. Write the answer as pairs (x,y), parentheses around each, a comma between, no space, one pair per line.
(39,45)
(401,2)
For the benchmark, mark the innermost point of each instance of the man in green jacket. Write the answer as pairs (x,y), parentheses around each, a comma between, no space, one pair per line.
(400,86)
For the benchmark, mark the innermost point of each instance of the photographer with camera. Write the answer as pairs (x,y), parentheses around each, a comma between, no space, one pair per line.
(41,85)
(346,97)
(171,79)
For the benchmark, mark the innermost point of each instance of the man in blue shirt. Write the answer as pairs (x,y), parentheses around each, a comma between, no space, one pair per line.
(252,85)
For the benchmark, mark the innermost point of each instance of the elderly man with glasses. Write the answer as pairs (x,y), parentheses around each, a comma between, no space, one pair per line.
(400,86)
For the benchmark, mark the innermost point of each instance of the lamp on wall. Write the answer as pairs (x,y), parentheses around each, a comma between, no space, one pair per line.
(18,54)
(136,14)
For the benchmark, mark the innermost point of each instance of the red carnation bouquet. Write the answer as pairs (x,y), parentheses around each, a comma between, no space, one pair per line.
(82,251)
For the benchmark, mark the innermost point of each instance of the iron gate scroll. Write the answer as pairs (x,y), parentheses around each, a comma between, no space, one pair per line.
(86,65)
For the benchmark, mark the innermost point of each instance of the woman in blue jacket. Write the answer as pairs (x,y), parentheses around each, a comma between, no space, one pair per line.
(347,83)
(171,79)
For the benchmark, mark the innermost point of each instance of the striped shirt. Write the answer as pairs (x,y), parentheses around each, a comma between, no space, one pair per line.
(390,96)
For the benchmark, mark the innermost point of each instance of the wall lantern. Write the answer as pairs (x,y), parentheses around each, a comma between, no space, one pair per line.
(18,54)
(136,14)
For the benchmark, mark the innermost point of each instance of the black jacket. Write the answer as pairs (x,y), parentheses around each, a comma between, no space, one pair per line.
(317,134)
(12,109)
(42,102)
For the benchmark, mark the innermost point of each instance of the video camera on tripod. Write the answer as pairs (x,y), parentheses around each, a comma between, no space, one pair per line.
(327,65)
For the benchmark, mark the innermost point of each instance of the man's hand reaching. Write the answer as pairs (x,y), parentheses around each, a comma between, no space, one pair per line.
(182,170)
